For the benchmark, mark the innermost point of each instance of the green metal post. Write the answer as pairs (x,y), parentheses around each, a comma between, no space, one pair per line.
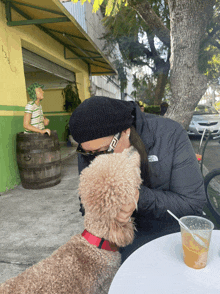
(8,10)
(37,21)
(38,7)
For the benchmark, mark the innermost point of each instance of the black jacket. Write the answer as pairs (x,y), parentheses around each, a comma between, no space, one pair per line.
(176,182)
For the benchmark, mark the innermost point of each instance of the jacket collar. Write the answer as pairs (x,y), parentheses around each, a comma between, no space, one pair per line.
(99,242)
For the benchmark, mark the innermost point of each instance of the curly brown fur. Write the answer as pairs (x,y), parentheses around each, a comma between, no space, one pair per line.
(79,267)
(115,181)
(76,267)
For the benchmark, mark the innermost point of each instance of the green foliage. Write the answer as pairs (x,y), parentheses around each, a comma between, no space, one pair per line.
(126,22)
(155,109)
(209,57)
(71,97)
(122,74)
(136,42)
(144,89)
(118,22)
(112,6)
(125,29)
(139,47)
(209,61)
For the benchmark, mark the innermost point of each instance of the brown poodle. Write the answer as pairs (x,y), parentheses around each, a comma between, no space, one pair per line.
(88,262)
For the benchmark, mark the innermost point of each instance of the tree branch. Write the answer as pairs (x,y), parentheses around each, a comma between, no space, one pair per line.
(153,21)
(142,63)
(150,38)
(215,43)
(148,53)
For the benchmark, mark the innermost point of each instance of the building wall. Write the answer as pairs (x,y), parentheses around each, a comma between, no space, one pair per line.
(13,96)
(95,29)
(53,100)
(92,25)
(78,11)
(100,85)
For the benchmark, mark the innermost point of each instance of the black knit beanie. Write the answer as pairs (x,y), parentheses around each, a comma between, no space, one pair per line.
(99,117)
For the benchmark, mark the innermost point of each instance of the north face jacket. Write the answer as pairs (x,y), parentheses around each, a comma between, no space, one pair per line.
(176,182)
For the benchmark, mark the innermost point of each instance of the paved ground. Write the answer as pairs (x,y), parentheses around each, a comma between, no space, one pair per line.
(211,158)
(34,223)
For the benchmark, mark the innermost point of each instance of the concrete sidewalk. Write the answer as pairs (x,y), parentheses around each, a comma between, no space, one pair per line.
(34,223)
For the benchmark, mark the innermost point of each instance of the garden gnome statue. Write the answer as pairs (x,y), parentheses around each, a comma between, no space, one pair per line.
(34,120)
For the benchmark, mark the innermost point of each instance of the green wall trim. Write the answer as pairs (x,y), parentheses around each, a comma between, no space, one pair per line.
(21,108)
(61,112)
(10,126)
(8,163)
(12,108)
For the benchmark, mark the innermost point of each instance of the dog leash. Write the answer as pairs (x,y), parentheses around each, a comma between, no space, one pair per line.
(99,242)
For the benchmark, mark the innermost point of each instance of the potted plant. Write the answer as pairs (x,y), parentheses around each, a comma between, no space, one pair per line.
(71,101)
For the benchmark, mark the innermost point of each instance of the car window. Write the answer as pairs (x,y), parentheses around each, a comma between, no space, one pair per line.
(205,109)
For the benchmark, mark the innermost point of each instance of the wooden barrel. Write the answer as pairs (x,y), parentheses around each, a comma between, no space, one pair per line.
(39,160)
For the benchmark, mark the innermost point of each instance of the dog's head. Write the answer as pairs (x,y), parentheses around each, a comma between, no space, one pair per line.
(109,182)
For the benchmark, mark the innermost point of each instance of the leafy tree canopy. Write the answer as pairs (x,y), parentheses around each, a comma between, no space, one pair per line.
(131,30)
(112,6)
(209,61)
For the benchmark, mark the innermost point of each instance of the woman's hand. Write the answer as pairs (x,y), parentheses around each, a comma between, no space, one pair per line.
(127,210)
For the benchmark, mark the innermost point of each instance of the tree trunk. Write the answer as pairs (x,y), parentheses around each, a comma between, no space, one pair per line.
(160,88)
(188,20)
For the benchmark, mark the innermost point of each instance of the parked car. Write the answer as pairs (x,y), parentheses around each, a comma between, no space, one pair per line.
(204,117)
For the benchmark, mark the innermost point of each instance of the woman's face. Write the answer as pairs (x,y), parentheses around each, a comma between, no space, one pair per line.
(102,144)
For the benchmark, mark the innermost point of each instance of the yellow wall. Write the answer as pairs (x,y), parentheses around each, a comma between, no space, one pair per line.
(13,95)
(53,101)
(12,90)
(12,39)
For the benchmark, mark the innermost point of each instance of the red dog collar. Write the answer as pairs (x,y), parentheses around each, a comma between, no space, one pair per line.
(99,242)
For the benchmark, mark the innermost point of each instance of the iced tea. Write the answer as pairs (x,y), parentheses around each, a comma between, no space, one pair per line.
(194,254)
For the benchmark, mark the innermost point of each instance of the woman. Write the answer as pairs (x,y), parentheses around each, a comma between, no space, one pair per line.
(169,169)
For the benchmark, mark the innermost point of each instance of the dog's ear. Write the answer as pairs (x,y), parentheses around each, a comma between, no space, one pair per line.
(133,156)
(121,235)
(99,184)
(110,181)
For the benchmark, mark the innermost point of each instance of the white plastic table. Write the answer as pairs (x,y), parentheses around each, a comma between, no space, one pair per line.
(158,268)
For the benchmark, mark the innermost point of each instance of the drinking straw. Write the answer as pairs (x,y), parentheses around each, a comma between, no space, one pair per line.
(195,237)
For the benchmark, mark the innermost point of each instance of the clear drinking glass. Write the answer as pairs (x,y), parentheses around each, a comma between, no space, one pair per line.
(195,255)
